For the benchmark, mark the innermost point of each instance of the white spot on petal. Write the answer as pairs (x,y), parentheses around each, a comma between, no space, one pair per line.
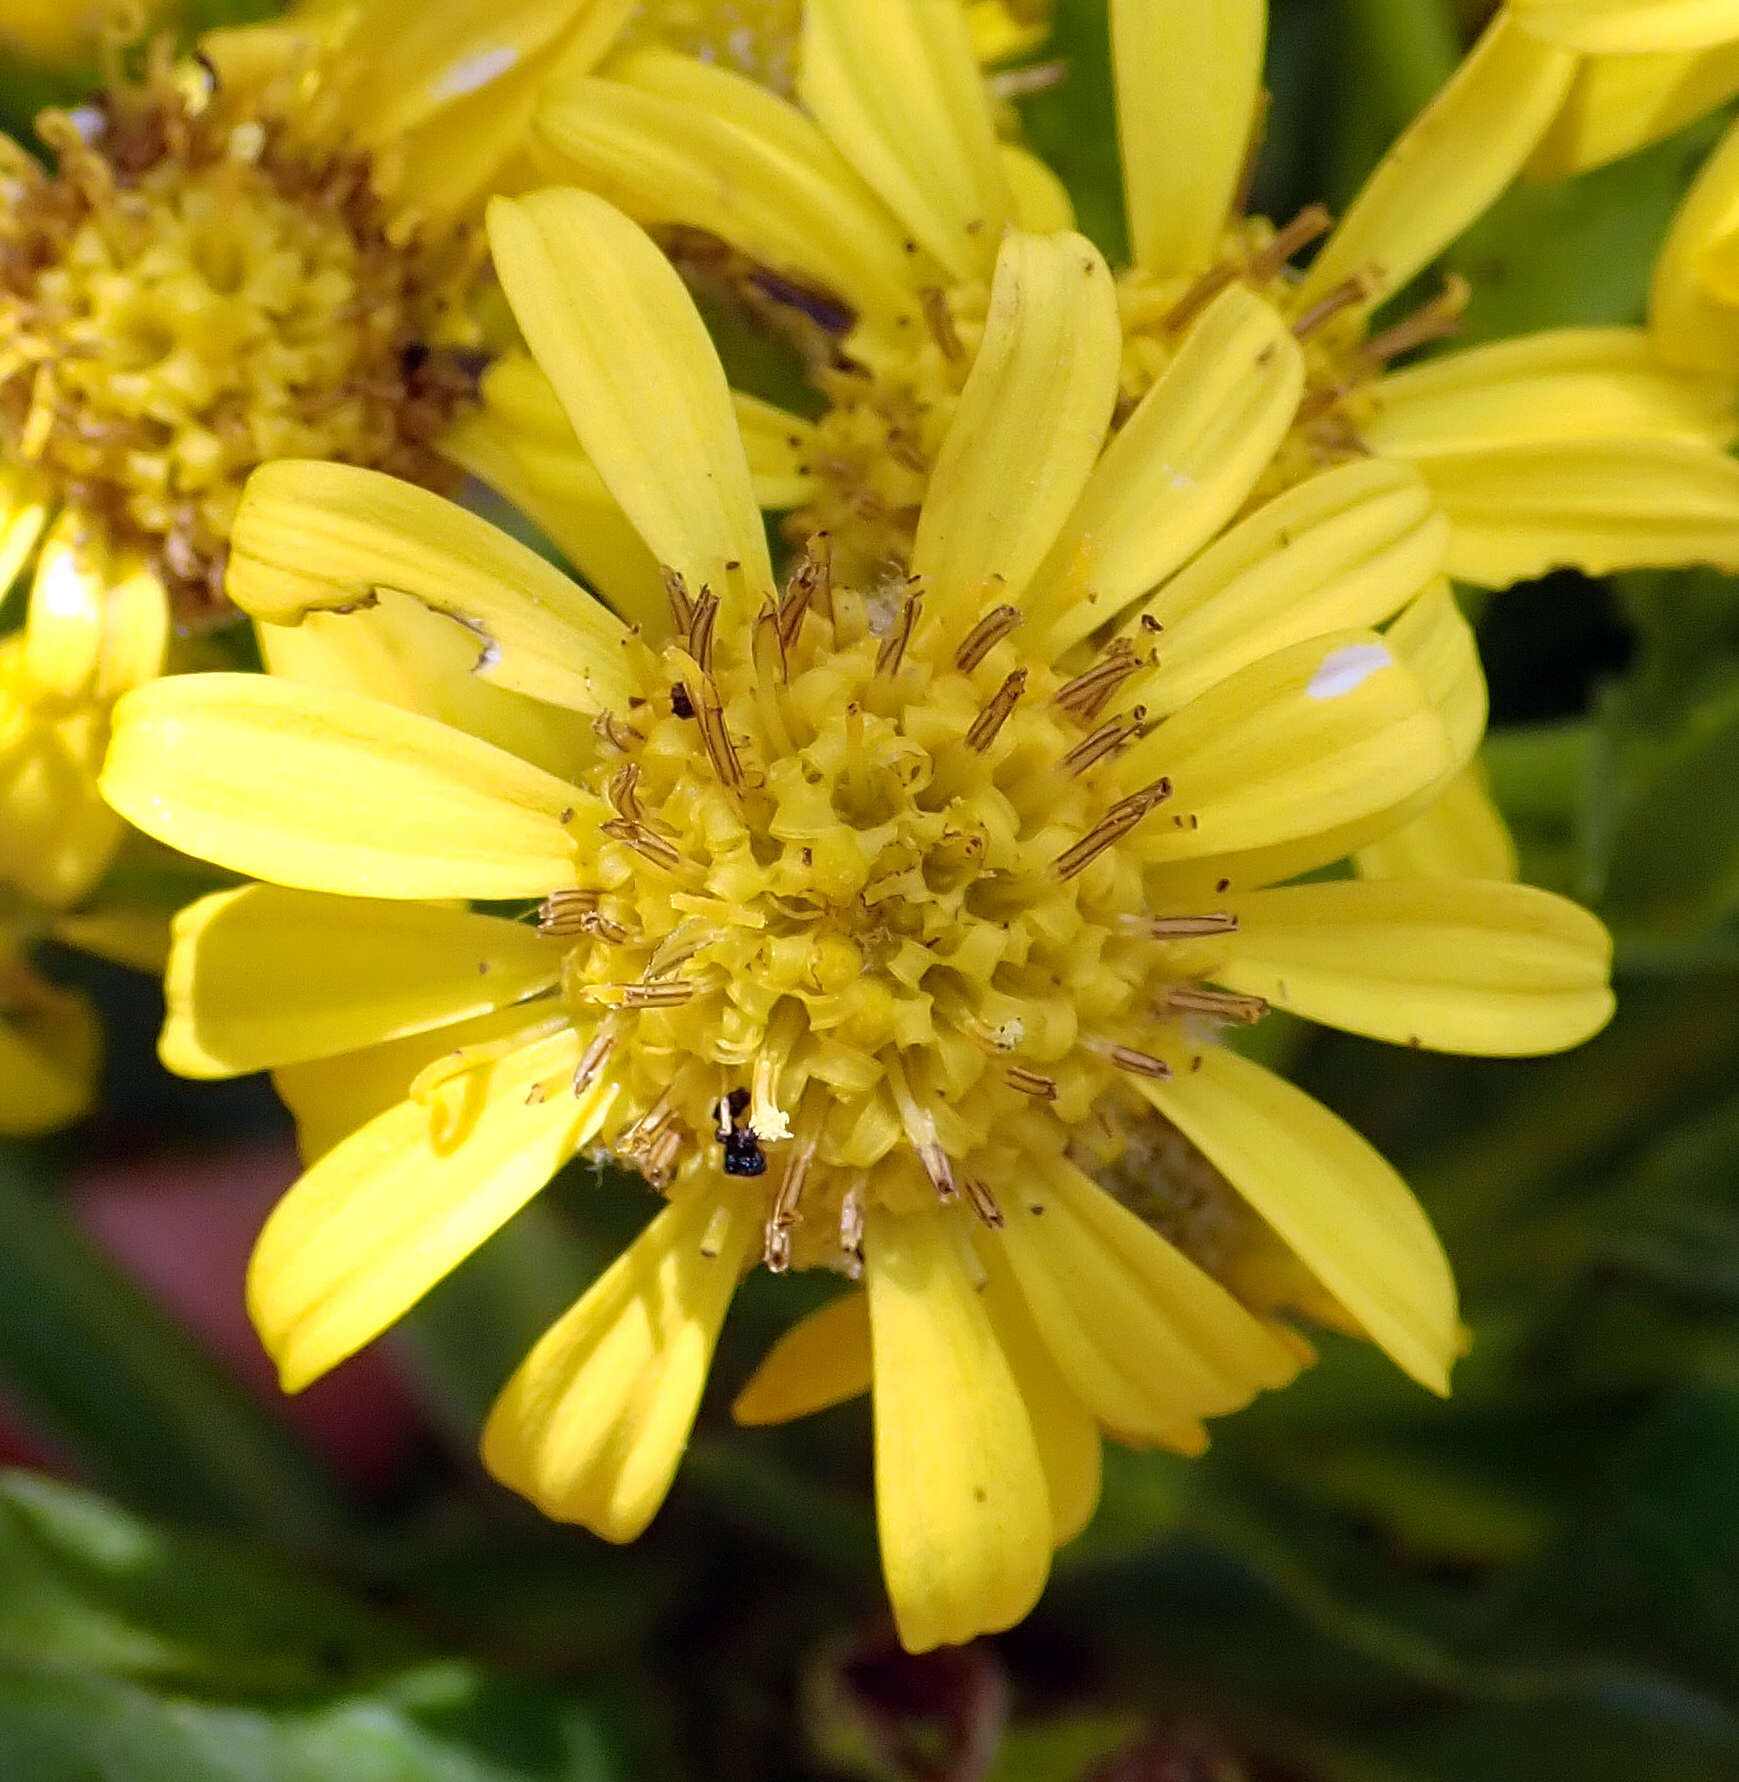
(1345,671)
(474,71)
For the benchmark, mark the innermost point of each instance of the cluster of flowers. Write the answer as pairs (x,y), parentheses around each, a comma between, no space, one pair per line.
(887,909)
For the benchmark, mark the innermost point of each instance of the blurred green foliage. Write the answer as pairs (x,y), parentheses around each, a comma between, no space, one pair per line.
(1536,1579)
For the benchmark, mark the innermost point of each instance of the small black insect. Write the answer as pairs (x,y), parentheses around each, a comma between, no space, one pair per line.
(743,1153)
(680,703)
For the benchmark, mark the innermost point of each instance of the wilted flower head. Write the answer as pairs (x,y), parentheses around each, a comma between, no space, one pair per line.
(854,906)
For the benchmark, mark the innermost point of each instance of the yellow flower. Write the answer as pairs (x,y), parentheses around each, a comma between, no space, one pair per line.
(1649,67)
(1694,300)
(879,203)
(257,253)
(857,906)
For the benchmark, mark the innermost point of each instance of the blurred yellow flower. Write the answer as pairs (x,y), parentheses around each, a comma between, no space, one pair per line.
(1694,301)
(93,630)
(67,30)
(856,906)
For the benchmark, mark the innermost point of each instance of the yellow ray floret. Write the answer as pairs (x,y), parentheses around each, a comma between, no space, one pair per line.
(867,916)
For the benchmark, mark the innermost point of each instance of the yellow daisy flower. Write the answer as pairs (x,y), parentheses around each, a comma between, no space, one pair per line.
(862,903)
(880,201)
(1648,67)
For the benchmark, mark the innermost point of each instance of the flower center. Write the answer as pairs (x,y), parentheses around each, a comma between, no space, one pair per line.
(200,285)
(889,410)
(864,920)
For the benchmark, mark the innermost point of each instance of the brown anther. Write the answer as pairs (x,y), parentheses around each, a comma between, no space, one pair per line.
(611,729)
(985,636)
(715,736)
(1348,294)
(940,321)
(1322,400)
(621,793)
(681,603)
(1198,296)
(1185,927)
(786,1211)
(672,994)
(1035,77)
(939,1169)
(592,1060)
(1031,1082)
(1311,222)
(1136,1063)
(1103,742)
(567,912)
(1436,320)
(662,1155)
(982,1202)
(893,650)
(851,1230)
(1088,693)
(699,631)
(644,843)
(1111,828)
(1221,1005)
(991,720)
(771,660)
(810,581)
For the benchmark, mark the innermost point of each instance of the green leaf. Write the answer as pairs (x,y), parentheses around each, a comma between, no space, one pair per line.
(131,1393)
(134,1654)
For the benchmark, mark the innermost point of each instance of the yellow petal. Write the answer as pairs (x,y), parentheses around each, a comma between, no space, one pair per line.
(1597,505)
(135,630)
(63,626)
(821,1361)
(262,976)
(1625,27)
(1458,965)
(1694,300)
(23,515)
(444,51)
(330,1098)
(1461,835)
(1436,642)
(383,1217)
(1298,743)
(329,792)
(999,32)
(1450,164)
(1345,1213)
(138,939)
(312,537)
(1346,549)
(1029,425)
(592,1426)
(50,1051)
(609,323)
(57,836)
(671,140)
(1038,199)
(960,1490)
(1189,73)
(897,88)
(551,488)
(1144,1338)
(1179,468)
(1064,1432)
(1617,104)
(408,655)
(1567,383)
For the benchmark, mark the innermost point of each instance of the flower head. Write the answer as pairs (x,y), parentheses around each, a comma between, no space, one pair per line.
(875,206)
(859,907)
